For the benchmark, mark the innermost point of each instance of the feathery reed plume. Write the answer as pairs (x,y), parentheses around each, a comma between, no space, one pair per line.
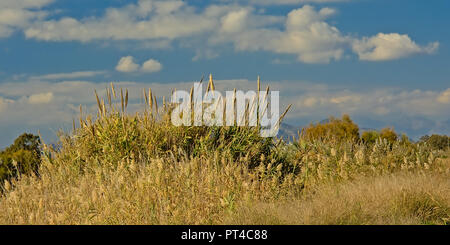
(98,100)
(191,98)
(113,90)
(210,84)
(122,102)
(164,103)
(145,96)
(156,105)
(150,96)
(283,115)
(103,108)
(265,100)
(246,114)
(126,99)
(109,97)
(81,115)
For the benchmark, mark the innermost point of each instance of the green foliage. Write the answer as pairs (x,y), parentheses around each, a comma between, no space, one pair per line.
(370,137)
(115,136)
(22,157)
(438,142)
(335,130)
(388,134)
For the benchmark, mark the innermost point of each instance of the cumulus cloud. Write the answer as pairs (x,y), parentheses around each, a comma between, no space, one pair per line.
(304,32)
(444,97)
(42,98)
(284,2)
(17,14)
(148,19)
(4,103)
(390,46)
(234,21)
(151,65)
(127,64)
(24,3)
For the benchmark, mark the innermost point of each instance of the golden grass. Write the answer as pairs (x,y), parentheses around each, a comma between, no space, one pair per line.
(197,191)
(402,198)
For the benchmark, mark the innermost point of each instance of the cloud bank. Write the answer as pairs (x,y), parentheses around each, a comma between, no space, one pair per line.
(304,32)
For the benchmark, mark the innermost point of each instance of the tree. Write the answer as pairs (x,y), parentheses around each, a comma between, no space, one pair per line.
(438,142)
(334,129)
(370,137)
(389,134)
(22,157)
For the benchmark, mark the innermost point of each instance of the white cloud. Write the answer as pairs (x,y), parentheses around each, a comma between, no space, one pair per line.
(284,2)
(234,21)
(444,97)
(386,102)
(306,35)
(151,65)
(389,46)
(126,64)
(24,3)
(71,75)
(4,103)
(17,14)
(305,32)
(43,98)
(148,19)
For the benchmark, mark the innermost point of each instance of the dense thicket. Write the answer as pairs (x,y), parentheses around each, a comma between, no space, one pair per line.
(22,157)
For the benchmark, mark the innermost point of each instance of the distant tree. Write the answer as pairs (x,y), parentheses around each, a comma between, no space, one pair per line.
(424,138)
(21,157)
(334,129)
(404,139)
(370,137)
(389,134)
(438,142)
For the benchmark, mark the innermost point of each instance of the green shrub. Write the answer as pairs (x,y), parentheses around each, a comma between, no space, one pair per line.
(22,157)
(370,137)
(334,129)
(438,142)
(388,134)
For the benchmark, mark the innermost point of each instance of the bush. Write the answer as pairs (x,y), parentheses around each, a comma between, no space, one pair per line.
(334,129)
(115,136)
(438,142)
(370,137)
(388,134)
(22,157)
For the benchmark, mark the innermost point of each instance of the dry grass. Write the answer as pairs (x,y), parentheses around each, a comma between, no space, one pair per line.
(194,191)
(402,198)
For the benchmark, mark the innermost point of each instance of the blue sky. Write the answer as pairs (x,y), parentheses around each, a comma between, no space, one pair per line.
(383,62)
